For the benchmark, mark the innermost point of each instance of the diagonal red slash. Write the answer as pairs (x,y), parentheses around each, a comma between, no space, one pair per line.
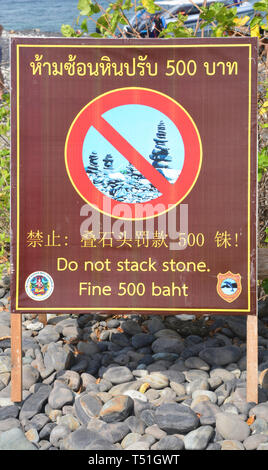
(132,155)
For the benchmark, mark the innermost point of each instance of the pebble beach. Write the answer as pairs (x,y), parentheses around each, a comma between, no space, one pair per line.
(96,382)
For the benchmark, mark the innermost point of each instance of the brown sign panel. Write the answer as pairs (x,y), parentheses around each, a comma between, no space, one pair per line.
(134,175)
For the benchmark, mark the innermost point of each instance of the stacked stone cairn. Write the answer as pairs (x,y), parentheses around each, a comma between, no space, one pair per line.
(129,185)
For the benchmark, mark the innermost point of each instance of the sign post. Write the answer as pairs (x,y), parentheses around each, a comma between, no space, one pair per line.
(134,178)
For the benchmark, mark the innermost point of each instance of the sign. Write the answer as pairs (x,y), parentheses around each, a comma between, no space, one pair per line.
(134,175)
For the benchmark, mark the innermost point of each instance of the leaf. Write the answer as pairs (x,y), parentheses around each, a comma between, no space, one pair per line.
(251,420)
(67,31)
(149,5)
(144,387)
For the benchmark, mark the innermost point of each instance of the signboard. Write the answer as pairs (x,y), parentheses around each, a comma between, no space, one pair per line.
(134,175)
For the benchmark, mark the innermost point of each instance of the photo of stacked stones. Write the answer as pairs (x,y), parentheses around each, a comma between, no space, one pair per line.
(128,184)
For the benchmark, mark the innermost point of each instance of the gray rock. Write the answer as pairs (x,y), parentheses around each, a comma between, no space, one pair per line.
(211,395)
(58,433)
(14,439)
(11,411)
(48,335)
(168,345)
(156,380)
(89,348)
(70,378)
(101,444)
(232,444)
(130,439)
(176,418)
(252,442)
(68,421)
(32,435)
(221,356)
(195,374)
(9,423)
(5,364)
(34,403)
(60,396)
(39,421)
(57,357)
(118,375)
(131,327)
(169,443)
(115,432)
(263,446)
(86,407)
(232,427)
(260,411)
(30,376)
(199,438)
(142,339)
(117,409)
(80,439)
(224,374)
(196,363)
(135,424)
(139,445)
(155,431)
(148,416)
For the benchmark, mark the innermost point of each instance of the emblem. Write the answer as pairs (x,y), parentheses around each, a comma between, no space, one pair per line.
(39,285)
(229,286)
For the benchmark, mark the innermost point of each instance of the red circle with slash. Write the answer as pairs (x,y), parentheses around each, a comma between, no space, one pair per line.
(171,194)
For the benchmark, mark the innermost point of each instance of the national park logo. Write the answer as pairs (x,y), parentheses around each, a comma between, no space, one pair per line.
(39,285)
(229,286)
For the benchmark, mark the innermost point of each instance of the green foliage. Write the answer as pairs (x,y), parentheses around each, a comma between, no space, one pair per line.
(220,18)
(262,162)
(4,180)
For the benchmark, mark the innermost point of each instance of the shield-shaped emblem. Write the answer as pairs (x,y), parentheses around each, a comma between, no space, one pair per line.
(229,286)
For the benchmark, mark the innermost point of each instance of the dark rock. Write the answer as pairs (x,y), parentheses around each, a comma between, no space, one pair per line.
(117,409)
(176,418)
(169,443)
(86,407)
(34,403)
(221,356)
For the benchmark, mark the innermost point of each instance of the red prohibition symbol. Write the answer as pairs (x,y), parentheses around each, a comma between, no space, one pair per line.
(92,115)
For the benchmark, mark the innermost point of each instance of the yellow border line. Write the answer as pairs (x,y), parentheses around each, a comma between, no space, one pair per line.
(18,182)
(249,167)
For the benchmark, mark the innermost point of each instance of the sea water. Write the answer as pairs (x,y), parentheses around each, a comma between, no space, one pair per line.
(44,15)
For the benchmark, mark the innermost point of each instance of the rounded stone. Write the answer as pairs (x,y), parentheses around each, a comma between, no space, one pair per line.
(117,409)
(30,376)
(207,393)
(231,427)
(156,380)
(86,407)
(231,444)
(199,438)
(118,375)
(167,344)
(58,433)
(60,396)
(169,443)
(176,418)
(196,363)
(221,356)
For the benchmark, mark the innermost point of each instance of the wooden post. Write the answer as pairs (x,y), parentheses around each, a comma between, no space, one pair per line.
(252,358)
(16,357)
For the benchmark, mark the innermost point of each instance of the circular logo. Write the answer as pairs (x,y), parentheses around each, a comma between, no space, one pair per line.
(133,153)
(39,285)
